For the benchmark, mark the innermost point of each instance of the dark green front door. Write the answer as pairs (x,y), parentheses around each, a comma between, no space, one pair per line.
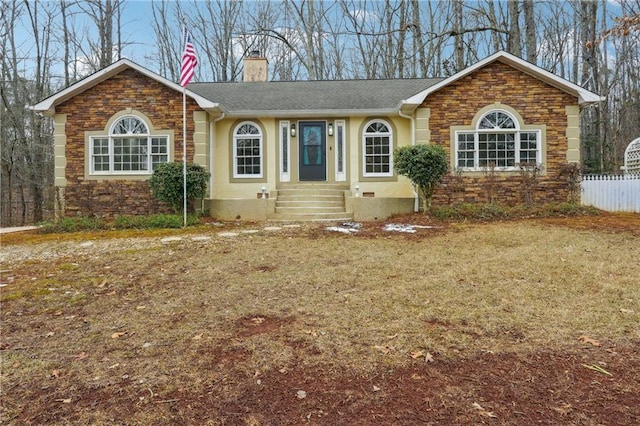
(312,146)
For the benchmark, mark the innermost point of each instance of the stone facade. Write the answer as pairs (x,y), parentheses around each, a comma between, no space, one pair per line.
(90,111)
(535,101)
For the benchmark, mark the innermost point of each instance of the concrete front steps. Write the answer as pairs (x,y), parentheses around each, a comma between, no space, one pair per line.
(306,202)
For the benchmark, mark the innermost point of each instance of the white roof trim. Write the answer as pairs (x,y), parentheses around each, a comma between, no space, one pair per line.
(584,96)
(310,113)
(48,105)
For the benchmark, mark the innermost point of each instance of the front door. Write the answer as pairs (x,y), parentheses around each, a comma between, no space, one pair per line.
(312,146)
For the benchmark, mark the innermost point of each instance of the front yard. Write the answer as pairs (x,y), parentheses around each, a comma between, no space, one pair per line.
(504,323)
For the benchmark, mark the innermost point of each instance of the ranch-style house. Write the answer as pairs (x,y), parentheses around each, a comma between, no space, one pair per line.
(312,150)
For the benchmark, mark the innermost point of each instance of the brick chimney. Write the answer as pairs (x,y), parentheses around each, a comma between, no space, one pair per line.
(255,67)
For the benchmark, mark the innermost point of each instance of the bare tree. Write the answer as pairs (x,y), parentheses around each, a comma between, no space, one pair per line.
(458,27)
(591,146)
(514,43)
(101,52)
(359,22)
(65,38)
(418,57)
(169,43)
(216,41)
(557,39)
(308,16)
(27,137)
(531,37)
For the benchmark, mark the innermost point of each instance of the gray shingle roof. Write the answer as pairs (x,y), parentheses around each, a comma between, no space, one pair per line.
(312,97)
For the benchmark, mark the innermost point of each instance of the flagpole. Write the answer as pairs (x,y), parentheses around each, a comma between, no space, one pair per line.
(189,62)
(184,155)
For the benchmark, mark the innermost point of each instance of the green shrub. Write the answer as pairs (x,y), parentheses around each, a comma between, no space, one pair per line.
(167,183)
(125,222)
(570,209)
(483,212)
(424,165)
(76,224)
(470,211)
(153,221)
(72,224)
(163,221)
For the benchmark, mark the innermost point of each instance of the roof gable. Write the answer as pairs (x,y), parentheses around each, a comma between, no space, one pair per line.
(584,96)
(47,106)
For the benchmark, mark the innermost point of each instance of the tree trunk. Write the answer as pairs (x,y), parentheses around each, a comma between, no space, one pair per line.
(514,45)
(592,140)
(458,42)
(530,31)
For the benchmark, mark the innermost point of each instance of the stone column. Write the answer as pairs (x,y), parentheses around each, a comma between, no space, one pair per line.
(200,155)
(60,163)
(423,133)
(573,133)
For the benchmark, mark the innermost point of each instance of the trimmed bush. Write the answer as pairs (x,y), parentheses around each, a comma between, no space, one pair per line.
(424,165)
(167,183)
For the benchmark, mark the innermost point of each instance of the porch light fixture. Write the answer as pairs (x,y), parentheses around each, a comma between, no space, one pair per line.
(330,130)
(293,130)
(264,191)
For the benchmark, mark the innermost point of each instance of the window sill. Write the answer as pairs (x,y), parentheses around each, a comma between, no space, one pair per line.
(505,171)
(115,176)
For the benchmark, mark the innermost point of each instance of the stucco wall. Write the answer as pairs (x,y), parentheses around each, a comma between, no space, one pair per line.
(91,111)
(535,101)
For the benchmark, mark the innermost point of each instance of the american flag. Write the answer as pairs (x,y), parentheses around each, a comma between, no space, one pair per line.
(189,60)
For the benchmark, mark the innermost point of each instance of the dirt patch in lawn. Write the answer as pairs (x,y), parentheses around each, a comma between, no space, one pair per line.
(604,222)
(250,326)
(513,323)
(503,389)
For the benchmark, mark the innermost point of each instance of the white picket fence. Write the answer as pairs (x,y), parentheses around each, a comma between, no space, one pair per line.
(613,193)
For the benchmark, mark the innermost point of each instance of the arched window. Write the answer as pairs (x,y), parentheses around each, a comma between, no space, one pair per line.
(129,148)
(377,149)
(247,150)
(497,142)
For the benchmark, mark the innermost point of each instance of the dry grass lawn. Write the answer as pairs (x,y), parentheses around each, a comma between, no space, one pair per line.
(137,331)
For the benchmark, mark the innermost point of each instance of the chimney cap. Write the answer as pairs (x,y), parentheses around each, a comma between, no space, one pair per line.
(254,54)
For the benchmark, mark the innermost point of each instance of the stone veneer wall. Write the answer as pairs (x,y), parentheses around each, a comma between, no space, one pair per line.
(90,111)
(537,103)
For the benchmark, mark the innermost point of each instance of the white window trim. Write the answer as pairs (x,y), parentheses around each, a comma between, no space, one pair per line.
(364,149)
(518,130)
(285,146)
(339,131)
(235,152)
(110,136)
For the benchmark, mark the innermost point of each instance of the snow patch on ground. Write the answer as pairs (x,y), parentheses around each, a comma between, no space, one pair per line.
(345,228)
(401,227)
(353,227)
(341,229)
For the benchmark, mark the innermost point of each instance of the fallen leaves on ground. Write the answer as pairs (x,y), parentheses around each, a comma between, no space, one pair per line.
(586,339)
(482,411)
(597,368)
